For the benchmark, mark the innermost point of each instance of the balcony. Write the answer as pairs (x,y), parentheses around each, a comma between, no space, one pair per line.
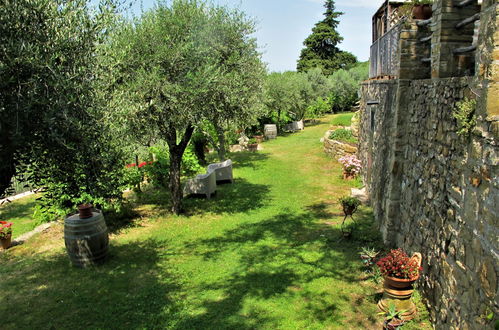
(384,59)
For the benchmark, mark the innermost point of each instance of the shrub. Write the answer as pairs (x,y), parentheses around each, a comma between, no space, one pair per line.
(318,108)
(398,264)
(344,135)
(158,171)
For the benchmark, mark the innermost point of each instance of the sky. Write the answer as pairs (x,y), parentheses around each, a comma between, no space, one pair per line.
(283,25)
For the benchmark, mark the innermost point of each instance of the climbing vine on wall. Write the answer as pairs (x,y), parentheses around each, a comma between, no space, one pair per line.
(464,113)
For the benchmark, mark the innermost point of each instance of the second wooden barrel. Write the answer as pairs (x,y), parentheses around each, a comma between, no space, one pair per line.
(86,240)
(270,131)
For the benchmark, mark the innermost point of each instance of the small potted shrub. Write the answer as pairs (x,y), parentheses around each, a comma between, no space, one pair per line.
(368,256)
(349,204)
(5,234)
(259,137)
(393,318)
(252,144)
(351,166)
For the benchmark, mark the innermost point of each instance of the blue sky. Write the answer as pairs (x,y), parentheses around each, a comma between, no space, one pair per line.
(284,24)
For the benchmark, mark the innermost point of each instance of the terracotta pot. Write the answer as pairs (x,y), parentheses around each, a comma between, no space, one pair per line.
(259,138)
(393,324)
(421,12)
(349,210)
(253,147)
(6,242)
(348,175)
(85,211)
(400,283)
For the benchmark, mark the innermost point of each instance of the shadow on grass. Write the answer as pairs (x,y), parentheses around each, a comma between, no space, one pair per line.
(238,197)
(18,208)
(247,159)
(129,291)
(280,256)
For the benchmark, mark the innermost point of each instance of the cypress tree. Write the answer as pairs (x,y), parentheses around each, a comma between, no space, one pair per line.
(321,46)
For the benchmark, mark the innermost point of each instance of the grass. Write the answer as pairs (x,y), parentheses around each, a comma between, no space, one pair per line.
(19,212)
(266,252)
(342,119)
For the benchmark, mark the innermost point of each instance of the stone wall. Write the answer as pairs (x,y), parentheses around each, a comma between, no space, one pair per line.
(436,192)
(337,149)
(431,189)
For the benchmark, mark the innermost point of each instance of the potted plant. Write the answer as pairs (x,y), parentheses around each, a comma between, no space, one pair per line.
(418,9)
(398,269)
(252,144)
(259,137)
(351,166)
(5,234)
(393,318)
(349,204)
(368,256)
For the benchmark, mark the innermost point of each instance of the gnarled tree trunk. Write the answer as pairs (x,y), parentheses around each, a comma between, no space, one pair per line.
(176,153)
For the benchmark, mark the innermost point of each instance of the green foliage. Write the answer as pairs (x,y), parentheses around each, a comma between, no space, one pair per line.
(158,171)
(344,135)
(47,76)
(190,163)
(132,177)
(345,86)
(321,47)
(464,113)
(319,108)
(349,202)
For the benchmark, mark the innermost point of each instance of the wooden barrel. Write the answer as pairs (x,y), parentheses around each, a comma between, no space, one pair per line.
(270,131)
(86,240)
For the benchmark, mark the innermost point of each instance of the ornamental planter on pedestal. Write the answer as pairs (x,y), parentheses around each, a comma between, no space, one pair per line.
(398,292)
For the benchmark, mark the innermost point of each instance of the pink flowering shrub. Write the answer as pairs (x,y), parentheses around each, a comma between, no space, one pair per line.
(351,164)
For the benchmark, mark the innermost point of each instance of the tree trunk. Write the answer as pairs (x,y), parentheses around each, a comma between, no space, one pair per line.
(176,153)
(7,163)
(221,143)
(175,187)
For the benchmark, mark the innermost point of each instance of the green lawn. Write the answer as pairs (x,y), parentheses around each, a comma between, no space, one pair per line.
(20,213)
(265,253)
(342,119)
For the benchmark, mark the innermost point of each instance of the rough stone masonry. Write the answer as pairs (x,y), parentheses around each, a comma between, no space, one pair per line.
(432,190)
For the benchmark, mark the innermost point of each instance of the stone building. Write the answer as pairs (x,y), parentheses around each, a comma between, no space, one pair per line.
(433,190)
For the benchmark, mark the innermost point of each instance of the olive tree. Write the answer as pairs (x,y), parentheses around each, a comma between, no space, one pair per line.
(50,127)
(235,95)
(169,71)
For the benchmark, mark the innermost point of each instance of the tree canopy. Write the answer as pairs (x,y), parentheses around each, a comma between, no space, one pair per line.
(321,46)
(178,66)
(49,120)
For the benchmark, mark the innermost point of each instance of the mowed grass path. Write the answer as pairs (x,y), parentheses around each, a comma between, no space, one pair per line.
(265,253)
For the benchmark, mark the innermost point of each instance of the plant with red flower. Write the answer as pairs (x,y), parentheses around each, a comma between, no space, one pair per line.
(130,165)
(5,229)
(142,164)
(397,264)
